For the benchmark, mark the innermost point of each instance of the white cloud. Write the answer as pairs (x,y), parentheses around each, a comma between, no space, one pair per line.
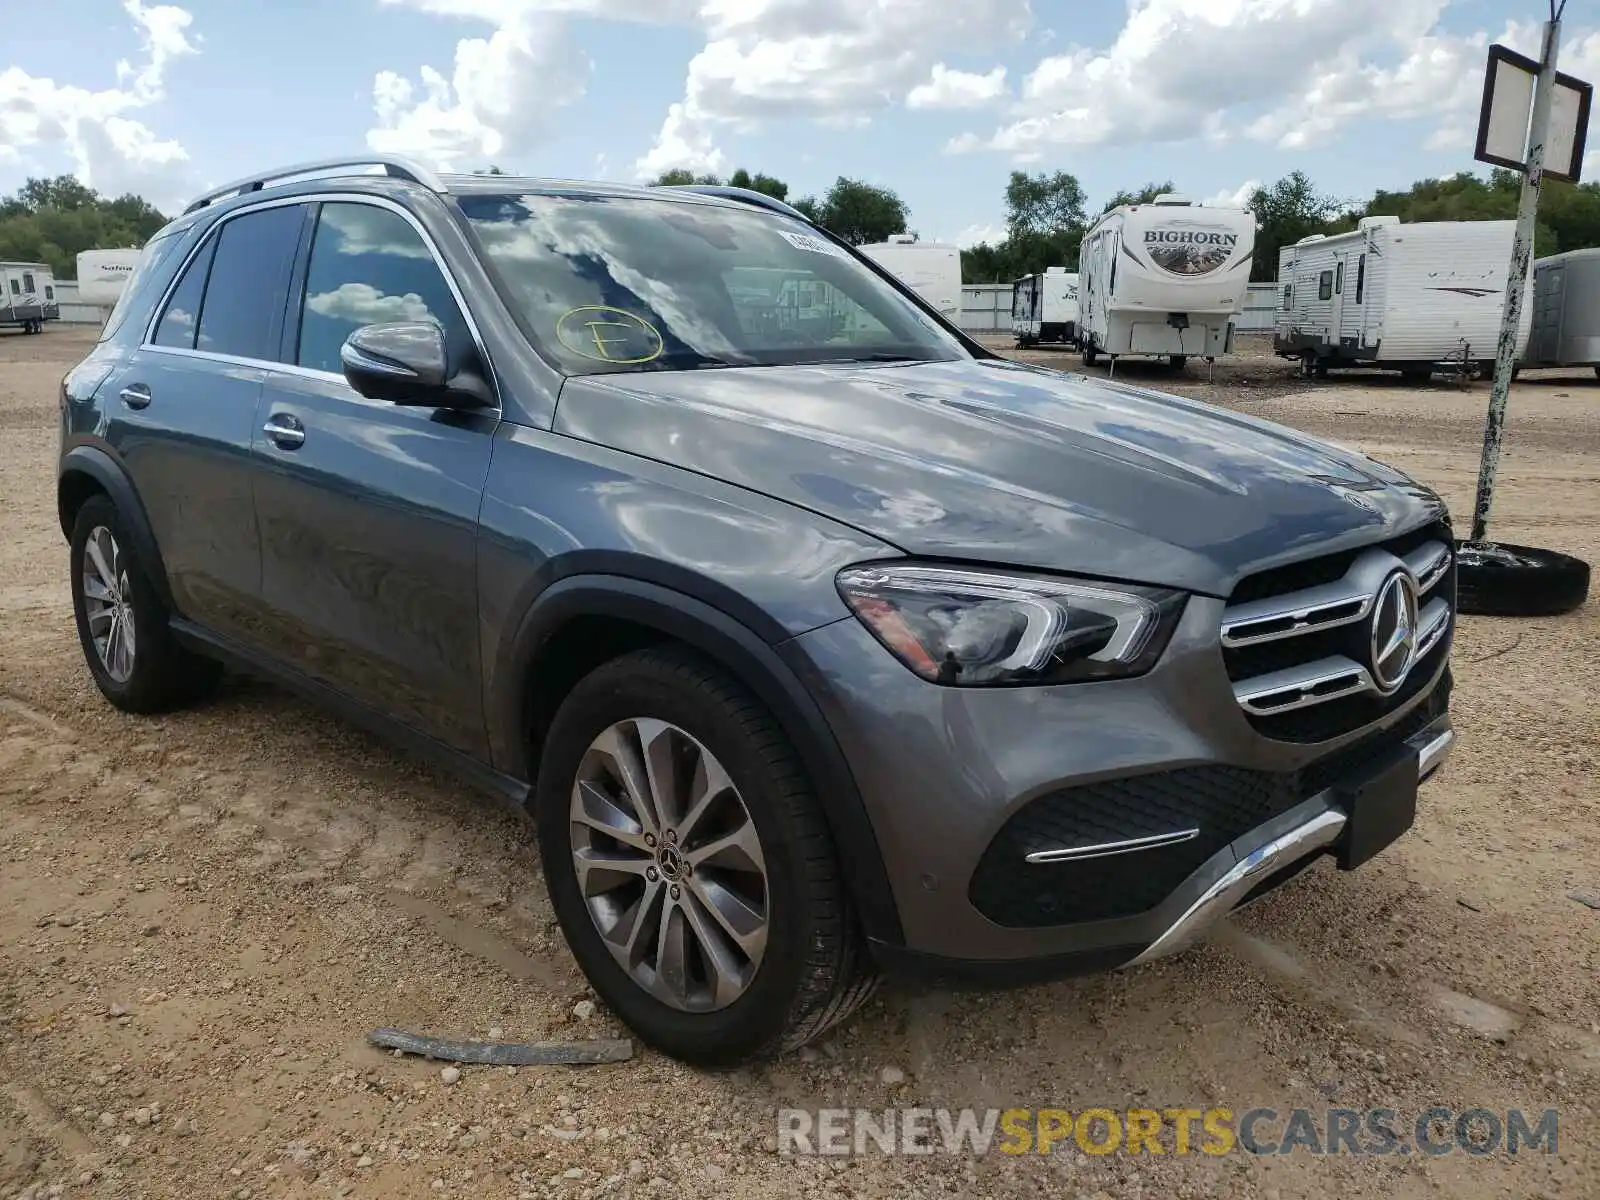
(833,60)
(363,304)
(957,89)
(1290,72)
(110,150)
(972,235)
(685,141)
(1237,198)
(500,99)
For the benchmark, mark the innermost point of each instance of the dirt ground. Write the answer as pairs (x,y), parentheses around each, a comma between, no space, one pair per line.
(202,915)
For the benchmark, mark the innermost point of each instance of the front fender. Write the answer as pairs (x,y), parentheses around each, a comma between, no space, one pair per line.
(743,653)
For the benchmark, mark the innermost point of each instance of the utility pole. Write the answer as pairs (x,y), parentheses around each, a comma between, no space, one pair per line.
(1516,278)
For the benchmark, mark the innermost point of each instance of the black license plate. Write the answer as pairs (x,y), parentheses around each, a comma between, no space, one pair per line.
(1381,807)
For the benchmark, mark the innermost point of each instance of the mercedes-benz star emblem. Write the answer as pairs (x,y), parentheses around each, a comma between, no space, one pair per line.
(1394,631)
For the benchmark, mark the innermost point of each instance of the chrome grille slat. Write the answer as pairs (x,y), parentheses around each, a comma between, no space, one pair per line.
(1324,612)
(1300,687)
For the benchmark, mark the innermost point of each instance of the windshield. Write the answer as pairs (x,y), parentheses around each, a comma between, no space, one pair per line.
(608,283)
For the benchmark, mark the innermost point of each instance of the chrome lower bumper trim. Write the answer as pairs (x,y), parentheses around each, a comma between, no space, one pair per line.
(1224,895)
(1311,836)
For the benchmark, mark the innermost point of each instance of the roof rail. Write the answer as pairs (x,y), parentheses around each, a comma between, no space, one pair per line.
(393,166)
(745,195)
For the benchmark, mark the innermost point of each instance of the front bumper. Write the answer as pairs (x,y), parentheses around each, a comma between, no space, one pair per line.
(948,775)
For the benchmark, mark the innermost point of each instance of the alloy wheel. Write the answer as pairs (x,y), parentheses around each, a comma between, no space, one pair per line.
(108,604)
(669,864)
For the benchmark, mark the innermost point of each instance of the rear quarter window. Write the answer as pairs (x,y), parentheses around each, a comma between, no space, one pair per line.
(148,279)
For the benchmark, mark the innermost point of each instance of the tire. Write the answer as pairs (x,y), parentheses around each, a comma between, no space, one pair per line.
(1089,354)
(1179,361)
(157,674)
(813,969)
(1518,581)
(1416,376)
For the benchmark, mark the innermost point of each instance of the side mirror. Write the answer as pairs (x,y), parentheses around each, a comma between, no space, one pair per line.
(406,362)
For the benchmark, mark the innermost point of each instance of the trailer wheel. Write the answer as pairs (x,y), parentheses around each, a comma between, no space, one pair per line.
(1416,375)
(1597,372)
(1493,579)
(1089,354)
(1178,361)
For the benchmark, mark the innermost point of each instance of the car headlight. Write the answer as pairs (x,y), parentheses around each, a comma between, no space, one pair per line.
(971,628)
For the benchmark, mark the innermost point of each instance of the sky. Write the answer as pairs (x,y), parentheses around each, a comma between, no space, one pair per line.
(938,100)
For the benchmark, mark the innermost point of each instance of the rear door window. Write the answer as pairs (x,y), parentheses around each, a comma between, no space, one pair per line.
(242,313)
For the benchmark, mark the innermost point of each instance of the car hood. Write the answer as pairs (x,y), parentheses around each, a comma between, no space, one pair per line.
(995,461)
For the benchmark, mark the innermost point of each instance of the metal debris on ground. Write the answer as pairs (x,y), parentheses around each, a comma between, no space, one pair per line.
(1588,899)
(506,1054)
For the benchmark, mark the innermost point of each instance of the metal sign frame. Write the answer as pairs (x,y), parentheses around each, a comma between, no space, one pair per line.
(1569,172)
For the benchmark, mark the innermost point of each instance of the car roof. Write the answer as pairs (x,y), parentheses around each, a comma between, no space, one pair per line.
(394,175)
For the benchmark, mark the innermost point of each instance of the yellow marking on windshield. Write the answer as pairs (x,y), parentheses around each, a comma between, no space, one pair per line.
(606,334)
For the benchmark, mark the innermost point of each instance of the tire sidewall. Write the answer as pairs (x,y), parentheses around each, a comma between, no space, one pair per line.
(757,1020)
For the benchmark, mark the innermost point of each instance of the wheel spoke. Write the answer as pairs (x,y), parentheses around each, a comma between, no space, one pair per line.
(727,976)
(628,768)
(97,556)
(656,742)
(739,850)
(100,618)
(601,871)
(672,954)
(630,935)
(593,808)
(94,589)
(709,784)
(744,925)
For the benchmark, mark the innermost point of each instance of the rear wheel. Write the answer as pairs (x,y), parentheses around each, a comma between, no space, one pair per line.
(1179,361)
(1416,375)
(690,865)
(1089,354)
(122,623)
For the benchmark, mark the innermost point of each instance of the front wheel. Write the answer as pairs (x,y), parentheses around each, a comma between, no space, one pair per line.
(690,866)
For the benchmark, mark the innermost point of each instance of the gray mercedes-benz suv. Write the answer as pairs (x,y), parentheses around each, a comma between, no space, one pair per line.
(817,638)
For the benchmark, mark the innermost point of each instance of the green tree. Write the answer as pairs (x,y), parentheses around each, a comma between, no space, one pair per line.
(858,212)
(766,184)
(1044,204)
(53,220)
(1143,196)
(1287,211)
(678,177)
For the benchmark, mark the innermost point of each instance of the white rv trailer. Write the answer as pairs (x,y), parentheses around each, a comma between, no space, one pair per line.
(1044,307)
(931,269)
(1565,326)
(27,296)
(102,274)
(1406,297)
(1163,279)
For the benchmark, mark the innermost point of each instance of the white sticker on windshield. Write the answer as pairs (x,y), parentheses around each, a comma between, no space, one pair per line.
(805,241)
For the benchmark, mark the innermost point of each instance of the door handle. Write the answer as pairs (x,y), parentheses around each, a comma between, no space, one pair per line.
(135,395)
(285,431)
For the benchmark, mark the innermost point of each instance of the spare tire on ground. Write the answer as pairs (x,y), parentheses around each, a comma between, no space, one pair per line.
(1494,579)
